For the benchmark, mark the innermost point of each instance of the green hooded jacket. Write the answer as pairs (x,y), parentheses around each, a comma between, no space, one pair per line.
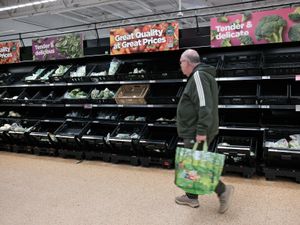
(197,110)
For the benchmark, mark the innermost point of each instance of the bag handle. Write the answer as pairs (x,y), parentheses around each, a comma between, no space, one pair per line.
(204,147)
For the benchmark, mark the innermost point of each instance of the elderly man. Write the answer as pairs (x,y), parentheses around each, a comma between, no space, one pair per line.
(198,119)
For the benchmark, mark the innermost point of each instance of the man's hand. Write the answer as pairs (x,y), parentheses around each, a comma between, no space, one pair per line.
(200,138)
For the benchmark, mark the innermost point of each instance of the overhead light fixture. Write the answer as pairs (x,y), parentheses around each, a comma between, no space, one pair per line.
(25,5)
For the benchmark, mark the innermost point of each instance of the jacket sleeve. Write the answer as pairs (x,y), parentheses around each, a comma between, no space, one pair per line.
(201,97)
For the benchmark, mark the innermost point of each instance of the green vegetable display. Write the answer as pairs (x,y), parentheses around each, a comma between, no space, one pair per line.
(246,40)
(222,19)
(76,93)
(226,42)
(270,29)
(69,45)
(103,94)
(213,34)
(246,16)
(294,33)
(295,16)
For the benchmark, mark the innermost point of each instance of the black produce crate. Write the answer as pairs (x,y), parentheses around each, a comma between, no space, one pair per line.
(41,97)
(43,134)
(126,145)
(45,77)
(69,134)
(11,95)
(78,114)
(95,72)
(241,65)
(69,78)
(158,142)
(215,61)
(106,115)
(10,78)
(240,93)
(27,95)
(280,118)
(135,116)
(56,77)
(56,96)
(281,63)
(5,141)
(164,69)
(35,113)
(239,150)
(94,139)
(57,114)
(126,71)
(295,93)
(35,70)
(164,93)
(281,157)
(22,137)
(271,173)
(78,100)
(112,88)
(239,117)
(274,92)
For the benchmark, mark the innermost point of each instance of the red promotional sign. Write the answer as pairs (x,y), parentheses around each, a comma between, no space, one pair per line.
(9,52)
(147,38)
(273,26)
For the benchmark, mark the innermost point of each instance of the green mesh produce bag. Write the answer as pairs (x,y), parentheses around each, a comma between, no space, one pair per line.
(198,172)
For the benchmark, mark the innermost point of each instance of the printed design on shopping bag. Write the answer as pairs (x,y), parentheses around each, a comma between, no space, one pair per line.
(198,172)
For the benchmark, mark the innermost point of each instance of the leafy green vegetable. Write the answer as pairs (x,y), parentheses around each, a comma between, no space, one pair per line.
(295,16)
(236,22)
(69,46)
(294,33)
(270,29)
(226,43)
(222,19)
(246,16)
(213,34)
(76,93)
(246,40)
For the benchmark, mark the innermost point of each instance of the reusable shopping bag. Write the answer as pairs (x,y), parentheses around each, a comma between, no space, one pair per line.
(198,172)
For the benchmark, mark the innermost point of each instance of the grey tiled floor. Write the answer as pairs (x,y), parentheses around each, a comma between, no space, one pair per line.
(37,190)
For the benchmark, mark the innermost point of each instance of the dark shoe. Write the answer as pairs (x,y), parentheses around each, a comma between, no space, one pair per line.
(225,198)
(185,200)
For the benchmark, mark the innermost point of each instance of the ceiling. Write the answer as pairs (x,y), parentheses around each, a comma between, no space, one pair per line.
(50,18)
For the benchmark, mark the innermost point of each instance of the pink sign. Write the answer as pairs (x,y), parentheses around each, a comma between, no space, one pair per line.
(273,26)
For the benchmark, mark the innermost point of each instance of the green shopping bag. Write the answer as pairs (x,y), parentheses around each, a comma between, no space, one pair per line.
(198,172)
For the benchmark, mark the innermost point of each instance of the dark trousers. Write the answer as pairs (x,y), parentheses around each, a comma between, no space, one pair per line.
(189,143)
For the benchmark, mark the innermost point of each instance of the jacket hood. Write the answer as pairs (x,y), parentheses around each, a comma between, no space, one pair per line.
(206,68)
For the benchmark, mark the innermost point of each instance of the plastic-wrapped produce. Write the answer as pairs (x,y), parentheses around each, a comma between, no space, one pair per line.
(114,66)
(295,142)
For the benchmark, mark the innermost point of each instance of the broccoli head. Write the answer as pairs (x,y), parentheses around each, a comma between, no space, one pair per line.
(294,33)
(236,22)
(226,43)
(222,19)
(246,40)
(213,34)
(270,29)
(246,16)
(295,16)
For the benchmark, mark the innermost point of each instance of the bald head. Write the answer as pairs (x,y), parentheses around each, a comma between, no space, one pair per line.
(191,55)
(188,61)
